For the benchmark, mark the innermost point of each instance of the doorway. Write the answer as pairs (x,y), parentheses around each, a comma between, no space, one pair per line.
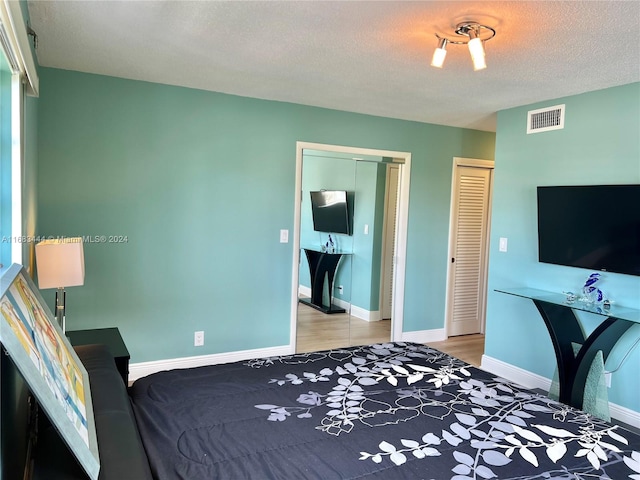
(362,222)
(472,183)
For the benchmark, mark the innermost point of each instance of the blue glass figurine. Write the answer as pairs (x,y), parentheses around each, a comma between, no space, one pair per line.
(590,293)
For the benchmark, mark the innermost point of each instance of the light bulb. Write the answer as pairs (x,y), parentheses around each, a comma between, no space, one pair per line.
(476,49)
(439,54)
(438,57)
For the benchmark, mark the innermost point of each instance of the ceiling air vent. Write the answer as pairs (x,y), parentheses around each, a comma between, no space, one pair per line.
(545,119)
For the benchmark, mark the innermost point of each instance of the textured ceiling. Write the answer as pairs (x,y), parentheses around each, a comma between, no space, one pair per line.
(362,56)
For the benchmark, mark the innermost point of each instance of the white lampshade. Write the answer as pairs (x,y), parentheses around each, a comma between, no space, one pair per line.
(440,53)
(60,263)
(477,53)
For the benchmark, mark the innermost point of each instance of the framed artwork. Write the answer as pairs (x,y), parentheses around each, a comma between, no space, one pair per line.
(45,358)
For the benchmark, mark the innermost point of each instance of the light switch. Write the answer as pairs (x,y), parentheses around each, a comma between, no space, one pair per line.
(284,236)
(366,229)
(503,244)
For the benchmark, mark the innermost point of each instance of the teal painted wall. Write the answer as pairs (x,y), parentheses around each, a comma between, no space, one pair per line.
(600,144)
(201,184)
(366,266)
(378,233)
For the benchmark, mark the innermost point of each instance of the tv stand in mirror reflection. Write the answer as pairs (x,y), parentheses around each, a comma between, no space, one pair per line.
(322,265)
(565,330)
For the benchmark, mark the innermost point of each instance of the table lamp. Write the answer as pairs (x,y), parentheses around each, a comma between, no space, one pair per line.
(60,264)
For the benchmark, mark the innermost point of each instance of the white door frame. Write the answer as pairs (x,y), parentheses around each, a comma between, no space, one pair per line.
(401,232)
(467,162)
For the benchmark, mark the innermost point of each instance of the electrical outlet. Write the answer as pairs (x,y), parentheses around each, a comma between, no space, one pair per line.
(198,339)
(607,379)
(340,289)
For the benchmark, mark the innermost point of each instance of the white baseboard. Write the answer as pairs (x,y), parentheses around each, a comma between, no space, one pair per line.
(625,415)
(306,292)
(531,380)
(367,315)
(361,313)
(515,374)
(142,369)
(424,336)
(342,304)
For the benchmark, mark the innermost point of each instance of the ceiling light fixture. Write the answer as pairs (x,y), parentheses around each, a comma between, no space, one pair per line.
(476,35)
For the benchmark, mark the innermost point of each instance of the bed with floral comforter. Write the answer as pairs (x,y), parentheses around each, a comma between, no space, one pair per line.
(384,411)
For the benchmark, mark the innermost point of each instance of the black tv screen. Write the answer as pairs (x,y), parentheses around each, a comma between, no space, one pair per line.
(595,227)
(330,211)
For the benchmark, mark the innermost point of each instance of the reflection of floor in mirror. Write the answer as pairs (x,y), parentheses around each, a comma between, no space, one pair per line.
(318,331)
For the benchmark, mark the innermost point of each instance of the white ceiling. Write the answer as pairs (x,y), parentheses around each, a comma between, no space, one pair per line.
(361,56)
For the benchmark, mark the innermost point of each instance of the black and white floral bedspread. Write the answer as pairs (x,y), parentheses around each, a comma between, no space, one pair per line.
(385,411)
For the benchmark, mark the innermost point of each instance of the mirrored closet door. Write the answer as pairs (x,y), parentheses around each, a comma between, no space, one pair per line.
(347,231)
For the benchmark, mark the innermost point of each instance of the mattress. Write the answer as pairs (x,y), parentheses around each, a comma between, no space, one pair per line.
(382,411)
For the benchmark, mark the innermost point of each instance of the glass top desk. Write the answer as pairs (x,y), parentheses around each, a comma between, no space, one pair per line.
(565,329)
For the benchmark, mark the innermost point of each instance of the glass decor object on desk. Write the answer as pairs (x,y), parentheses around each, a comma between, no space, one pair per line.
(590,293)
(329,247)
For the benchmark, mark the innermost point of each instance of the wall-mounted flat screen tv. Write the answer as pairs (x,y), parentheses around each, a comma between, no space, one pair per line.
(593,226)
(330,211)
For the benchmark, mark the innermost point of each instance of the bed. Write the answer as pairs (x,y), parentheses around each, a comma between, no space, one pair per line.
(383,411)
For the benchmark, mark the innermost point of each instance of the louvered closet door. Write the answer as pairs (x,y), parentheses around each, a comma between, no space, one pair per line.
(468,254)
(389,242)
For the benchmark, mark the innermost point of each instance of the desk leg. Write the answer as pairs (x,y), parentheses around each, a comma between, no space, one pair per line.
(603,338)
(564,330)
(322,266)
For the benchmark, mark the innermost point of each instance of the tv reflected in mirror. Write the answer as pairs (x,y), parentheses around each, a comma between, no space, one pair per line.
(596,227)
(331,211)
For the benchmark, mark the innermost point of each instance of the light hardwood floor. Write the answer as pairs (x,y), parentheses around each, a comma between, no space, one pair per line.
(468,348)
(317,331)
